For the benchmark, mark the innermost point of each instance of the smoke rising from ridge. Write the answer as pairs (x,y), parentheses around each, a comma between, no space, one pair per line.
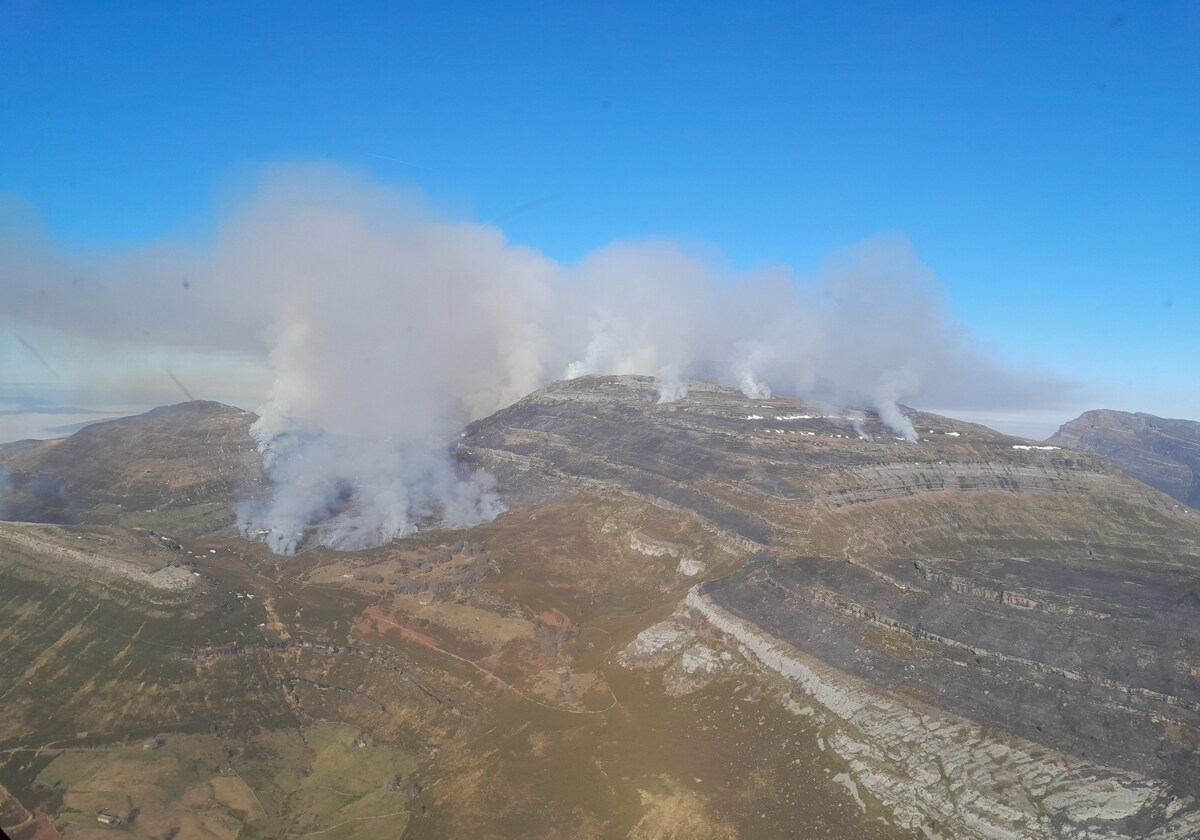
(385,329)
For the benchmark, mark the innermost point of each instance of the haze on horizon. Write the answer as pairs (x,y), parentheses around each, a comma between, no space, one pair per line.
(1028,168)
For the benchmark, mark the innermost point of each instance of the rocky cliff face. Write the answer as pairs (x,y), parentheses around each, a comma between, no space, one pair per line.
(1073,673)
(943,772)
(1162,453)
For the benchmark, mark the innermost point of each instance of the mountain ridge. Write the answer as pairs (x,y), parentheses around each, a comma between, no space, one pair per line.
(1160,452)
(195,457)
(976,634)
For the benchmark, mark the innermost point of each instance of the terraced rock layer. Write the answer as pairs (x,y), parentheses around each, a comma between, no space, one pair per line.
(770,472)
(1073,684)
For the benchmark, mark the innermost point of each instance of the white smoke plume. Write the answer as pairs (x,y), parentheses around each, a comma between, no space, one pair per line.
(857,423)
(893,384)
(750,356)
(355,493)
(385,328)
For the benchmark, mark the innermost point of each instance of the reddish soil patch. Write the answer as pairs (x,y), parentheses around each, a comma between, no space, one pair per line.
(376,621)
(44,830)
(384,623)
(39,829)
(553,618)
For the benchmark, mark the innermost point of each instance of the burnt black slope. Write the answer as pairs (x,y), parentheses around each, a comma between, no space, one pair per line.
(1164,454)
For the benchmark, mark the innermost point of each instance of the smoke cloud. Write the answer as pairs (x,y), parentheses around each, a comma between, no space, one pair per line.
(385,328)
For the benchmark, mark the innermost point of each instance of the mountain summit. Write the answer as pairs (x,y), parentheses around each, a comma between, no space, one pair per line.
(179,468)
(1162,453)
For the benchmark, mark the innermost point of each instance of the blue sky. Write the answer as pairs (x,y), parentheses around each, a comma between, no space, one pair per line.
(1041,157)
